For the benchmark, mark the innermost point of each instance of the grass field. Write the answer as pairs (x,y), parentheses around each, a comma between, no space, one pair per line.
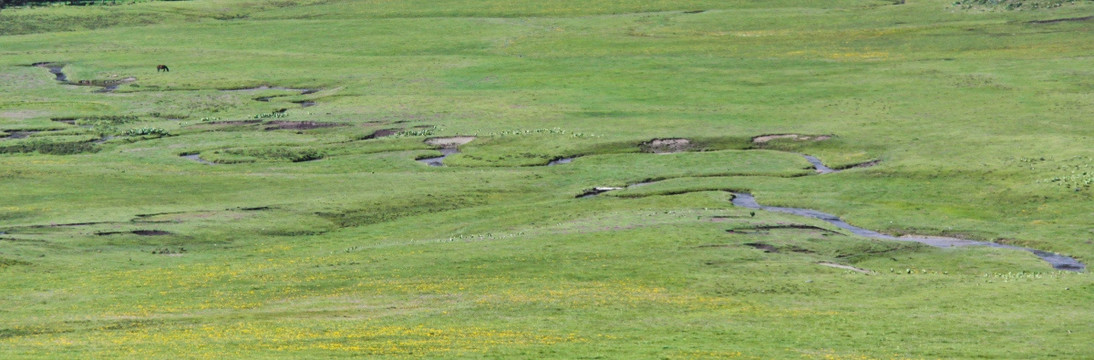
(262,199)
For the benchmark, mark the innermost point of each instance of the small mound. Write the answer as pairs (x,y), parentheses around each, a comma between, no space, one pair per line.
(666,146)
(449,142)
(795,137)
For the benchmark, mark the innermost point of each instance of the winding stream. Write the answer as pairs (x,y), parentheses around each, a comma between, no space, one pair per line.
(1057,261)
(560,161)
(746,200)
(439,161)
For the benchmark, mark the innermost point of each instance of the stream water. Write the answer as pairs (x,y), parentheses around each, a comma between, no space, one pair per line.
(1057,261)
(746,200)
(439,161)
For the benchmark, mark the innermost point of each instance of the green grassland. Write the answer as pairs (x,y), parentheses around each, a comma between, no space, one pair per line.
(312,232)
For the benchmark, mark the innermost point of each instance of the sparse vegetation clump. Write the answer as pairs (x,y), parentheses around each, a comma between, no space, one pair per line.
(147,132)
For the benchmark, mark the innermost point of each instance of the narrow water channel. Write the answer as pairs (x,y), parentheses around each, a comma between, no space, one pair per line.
(1057,261)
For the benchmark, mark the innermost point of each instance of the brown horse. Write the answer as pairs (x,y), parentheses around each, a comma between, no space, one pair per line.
(162,68)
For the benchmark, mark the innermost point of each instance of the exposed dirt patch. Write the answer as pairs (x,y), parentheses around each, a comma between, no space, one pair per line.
(232,122)
(1053,21)
(305,103)
(845,267)
(66,120)
(695,11)
(666,146)
(299,125)
(862,165)
(795,137)
(382,133)
(449,142)
(136,232)
(764,228)
(767,248)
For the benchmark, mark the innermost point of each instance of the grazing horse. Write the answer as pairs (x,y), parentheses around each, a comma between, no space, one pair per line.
(162,68)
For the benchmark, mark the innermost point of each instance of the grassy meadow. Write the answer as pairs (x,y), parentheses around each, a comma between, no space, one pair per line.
(262,199)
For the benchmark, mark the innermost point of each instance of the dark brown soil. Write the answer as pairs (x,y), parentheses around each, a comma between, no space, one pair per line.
(762,228)
(233,122)
(767,248)
(1053,21)
(136,232)
(382,133)
(298,125)
(151,232)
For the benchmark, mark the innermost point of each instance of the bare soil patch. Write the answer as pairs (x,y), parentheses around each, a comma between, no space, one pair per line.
(382,133)
(298,125)
(795,137)
(765,228)
(666,146)
(1053,21)
(136,232)
(767,248)
(232,122)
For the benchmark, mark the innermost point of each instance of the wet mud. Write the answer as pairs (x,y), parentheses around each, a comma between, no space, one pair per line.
(1059,262)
